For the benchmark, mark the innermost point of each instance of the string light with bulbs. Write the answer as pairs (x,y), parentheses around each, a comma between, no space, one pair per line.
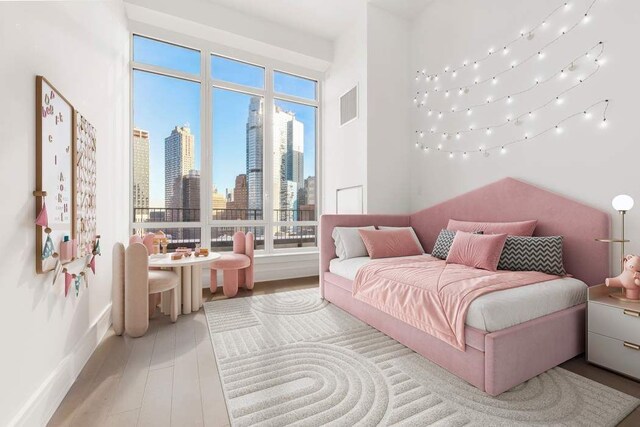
(530,113)
(568,67)
(502,148)
(524,35)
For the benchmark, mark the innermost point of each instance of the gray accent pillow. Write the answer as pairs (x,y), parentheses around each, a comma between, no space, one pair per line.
(348,242)
(443,243)
(543,254)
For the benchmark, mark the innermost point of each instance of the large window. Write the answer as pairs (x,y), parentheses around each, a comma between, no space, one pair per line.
(245,160)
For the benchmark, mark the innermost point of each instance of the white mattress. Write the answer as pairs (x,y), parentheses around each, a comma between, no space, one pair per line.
(502,309)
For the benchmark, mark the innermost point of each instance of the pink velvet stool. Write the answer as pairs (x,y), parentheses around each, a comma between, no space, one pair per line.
(237,267)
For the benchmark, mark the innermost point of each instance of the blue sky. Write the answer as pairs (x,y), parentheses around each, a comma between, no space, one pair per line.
(161,103)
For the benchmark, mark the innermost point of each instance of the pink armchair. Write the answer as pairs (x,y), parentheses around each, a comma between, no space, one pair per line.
(237,267)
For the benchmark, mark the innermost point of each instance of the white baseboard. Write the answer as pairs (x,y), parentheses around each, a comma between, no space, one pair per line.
(39,409)
(278,267)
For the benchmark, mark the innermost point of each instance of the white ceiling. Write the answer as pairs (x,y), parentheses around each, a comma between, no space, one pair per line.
(407,9)
(323,18)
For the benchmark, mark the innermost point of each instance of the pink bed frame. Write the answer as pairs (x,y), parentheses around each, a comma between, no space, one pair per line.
(497,361)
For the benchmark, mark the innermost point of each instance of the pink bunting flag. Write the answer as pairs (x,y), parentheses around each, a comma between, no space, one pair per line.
(92,264)
(68,278)
(43,219)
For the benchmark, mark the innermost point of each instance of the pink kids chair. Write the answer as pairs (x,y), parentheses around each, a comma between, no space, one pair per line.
(237,267)
(133,283)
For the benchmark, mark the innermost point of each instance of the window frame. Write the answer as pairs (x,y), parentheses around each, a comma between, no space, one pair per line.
(207,86)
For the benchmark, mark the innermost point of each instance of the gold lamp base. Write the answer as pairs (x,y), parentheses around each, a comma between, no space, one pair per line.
(622,297)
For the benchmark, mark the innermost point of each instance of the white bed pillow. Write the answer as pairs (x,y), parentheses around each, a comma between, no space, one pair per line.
(413,232)
(348,242)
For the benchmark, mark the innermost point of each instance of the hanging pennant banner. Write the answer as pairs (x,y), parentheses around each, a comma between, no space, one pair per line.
(48,248)
(68,277)
(43,218)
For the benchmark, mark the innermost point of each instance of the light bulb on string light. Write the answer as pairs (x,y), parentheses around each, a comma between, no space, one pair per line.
(528,34)
(450,155)
(503,150)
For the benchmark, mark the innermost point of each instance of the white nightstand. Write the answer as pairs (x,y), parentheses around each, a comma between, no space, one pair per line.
(613,332)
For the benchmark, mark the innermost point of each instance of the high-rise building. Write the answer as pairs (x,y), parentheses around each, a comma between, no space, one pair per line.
(141,175)
(238,207)
(218,204)
(255,136)
(288,160)
(295,152)
(178,161)
(191,196)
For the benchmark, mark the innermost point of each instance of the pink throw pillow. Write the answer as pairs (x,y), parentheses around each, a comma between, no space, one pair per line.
(390,243)
(516,228)
(477,250)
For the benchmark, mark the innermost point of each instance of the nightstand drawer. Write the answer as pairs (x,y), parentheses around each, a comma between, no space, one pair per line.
(620,356)
(614,322)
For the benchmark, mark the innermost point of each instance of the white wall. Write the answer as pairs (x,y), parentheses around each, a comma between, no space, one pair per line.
(387,120)
(82,48)
(344,148)
(370,151)
(585,162)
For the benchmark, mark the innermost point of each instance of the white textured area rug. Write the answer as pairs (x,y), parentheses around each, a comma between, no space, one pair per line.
(292,358)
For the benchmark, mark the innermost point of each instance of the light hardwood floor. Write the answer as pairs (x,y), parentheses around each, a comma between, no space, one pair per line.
(169,376)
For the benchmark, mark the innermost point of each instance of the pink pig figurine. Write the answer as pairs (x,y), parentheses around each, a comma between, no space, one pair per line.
(629,279)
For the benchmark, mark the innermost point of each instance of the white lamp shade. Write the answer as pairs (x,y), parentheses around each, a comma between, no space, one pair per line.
(622,202)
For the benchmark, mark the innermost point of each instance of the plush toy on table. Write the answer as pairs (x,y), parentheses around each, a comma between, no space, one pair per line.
(629,279)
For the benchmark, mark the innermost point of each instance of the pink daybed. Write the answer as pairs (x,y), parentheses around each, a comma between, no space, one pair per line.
(492,361)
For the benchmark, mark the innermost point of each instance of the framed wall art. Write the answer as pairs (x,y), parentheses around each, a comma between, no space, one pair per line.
(85,185)
(54,177)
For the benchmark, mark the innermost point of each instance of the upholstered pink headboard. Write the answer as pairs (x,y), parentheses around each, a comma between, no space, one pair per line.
(505,200)
(513,200)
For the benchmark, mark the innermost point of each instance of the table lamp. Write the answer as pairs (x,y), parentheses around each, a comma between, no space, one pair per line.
(622,203)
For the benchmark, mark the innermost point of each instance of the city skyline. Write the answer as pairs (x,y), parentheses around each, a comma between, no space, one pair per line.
(153,92)
(182,181)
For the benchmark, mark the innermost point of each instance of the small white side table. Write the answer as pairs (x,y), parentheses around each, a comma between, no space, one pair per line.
(613,332)
(190,271)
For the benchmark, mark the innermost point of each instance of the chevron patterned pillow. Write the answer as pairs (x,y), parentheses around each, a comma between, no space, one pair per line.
(542,254)
(444,242)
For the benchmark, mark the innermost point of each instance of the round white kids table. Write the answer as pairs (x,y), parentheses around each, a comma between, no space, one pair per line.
(190,271)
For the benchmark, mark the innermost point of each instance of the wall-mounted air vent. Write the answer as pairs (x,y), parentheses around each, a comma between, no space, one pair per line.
(349,106)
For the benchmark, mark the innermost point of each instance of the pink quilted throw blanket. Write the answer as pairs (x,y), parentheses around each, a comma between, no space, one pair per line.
(430,294)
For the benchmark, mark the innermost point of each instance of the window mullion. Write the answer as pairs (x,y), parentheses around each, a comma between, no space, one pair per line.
(206,151)
(268,161)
